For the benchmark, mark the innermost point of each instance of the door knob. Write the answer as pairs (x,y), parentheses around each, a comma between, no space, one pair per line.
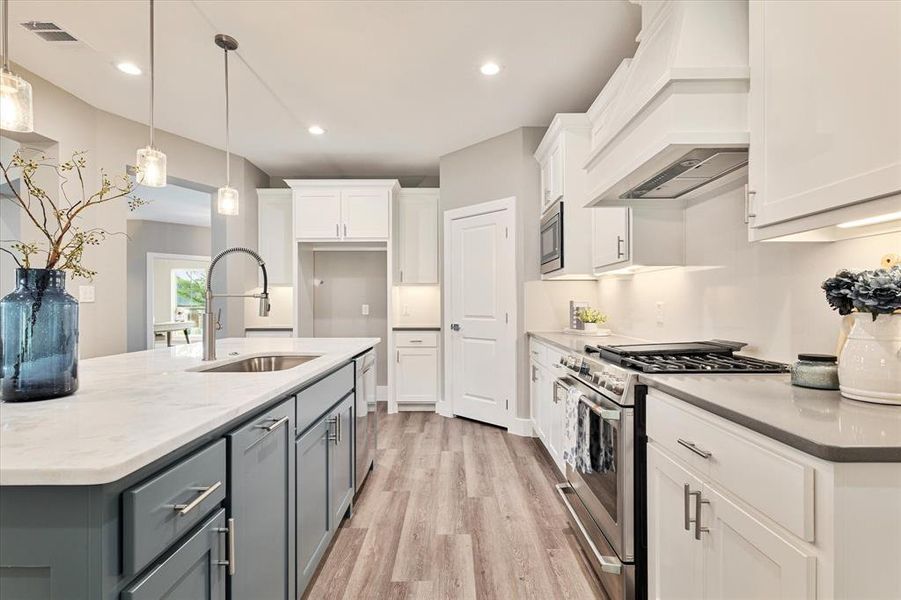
(455,327)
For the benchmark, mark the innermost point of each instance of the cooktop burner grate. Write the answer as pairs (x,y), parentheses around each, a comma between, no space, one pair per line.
(680,358)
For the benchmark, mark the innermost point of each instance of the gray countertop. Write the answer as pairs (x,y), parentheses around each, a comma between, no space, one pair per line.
(820,423)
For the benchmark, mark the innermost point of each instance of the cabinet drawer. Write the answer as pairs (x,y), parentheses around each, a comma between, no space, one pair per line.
(774,483)
(159,511)
(538,352)
(313,402)
(416,339)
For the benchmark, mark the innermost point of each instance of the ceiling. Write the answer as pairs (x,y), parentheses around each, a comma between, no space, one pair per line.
(395,84)
(173,204)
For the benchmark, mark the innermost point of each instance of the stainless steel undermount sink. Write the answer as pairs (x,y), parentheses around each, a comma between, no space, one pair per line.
(263,364)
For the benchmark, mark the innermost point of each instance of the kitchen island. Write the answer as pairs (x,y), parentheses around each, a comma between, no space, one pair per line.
(157,479)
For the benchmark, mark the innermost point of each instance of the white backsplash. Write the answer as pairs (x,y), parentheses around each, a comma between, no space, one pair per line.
(766,293)
(546,303)
(281,304)
(417,305)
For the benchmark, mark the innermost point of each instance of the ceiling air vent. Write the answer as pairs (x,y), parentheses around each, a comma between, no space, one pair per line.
(49,32)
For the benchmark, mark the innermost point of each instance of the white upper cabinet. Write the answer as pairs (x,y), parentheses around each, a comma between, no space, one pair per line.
(552,175)
(317,214)
(825,116)
(274,235)
(365,214)
(416,236)
(342,210)
(631,240)
(610,237)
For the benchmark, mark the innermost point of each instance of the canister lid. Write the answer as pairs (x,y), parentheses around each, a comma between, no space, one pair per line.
(823,358)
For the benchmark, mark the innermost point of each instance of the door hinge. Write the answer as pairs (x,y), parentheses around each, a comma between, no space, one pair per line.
(508,404)
(506,232)
(507,318)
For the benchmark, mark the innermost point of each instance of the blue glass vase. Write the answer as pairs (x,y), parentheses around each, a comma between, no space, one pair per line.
(38,338)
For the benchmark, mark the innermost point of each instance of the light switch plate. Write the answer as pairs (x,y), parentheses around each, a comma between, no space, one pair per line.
(86,293)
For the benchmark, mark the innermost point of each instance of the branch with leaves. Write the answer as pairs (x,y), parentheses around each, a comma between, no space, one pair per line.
(64,241)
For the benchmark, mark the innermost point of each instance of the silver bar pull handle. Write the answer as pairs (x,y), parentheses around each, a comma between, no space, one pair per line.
(345,230)
(184,509)
(609,564)
(691,446)
(339,427)
(337,230)
(619,247)
(697,520)
(333,437)
(274,425)
(230,563)
(686,504)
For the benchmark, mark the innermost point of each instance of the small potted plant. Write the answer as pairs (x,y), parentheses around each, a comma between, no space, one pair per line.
(39,319)
(592,319)
(869,366)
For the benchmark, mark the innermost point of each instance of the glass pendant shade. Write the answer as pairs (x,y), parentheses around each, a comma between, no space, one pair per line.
(15,103)
(150,167)
(227,203)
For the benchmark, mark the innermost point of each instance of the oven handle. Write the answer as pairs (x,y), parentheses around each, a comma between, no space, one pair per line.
(609,564)
(607,414)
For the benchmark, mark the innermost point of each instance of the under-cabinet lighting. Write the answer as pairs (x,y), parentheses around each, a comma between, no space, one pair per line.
(895,216)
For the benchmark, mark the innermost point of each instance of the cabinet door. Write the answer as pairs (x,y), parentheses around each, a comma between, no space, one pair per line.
(365,214)
(275,236)
(823,105)
(261,495)
(341,460)
(743,558)
(417,375)
(675,565)
(610,236)
(313,523)
(194,570)
(417,239)
(317,214)
(554,424)
(536,388)
(555,162)
(546,177)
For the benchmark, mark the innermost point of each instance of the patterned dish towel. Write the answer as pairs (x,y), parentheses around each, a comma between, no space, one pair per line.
(583,445)
(571,427)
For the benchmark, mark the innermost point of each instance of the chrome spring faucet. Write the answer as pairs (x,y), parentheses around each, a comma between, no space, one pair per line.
(213,324)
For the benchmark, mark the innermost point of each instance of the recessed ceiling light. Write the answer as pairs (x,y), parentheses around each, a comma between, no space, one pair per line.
(316,130)
(129,68)
(490,68)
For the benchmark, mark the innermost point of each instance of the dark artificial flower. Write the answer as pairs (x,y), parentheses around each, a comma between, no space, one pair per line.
(838,291)
(878,292)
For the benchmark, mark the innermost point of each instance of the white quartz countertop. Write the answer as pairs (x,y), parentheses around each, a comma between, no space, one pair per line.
(132,409)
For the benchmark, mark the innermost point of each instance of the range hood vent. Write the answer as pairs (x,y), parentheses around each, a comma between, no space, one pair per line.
(49,32)
(674,118)
(693,170)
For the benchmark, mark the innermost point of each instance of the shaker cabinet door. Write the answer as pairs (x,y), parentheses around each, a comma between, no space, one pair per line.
(196,570)
(341,460)
(675,557)
(610,236)
(313,523)
(261,493)
(365,214)
(317,214)
(823,106)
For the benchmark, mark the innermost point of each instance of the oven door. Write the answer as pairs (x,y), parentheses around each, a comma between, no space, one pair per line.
(551,239)
(605,482)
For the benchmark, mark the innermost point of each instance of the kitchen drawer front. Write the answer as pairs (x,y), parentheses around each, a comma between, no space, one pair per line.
(779,486)
(416,339)
(159,511)
(316,400)
(538,352)
(552,357)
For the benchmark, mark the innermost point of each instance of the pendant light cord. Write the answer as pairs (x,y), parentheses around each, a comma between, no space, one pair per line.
(152,71)
(227,153)
(6,35)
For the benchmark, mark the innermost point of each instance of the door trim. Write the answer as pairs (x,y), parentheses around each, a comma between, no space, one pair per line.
(149,285)
(507,205)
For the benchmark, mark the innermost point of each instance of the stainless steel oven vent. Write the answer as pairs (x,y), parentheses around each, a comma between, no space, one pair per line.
(691,171)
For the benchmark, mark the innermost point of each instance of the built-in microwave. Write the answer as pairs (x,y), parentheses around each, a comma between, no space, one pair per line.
(551,239)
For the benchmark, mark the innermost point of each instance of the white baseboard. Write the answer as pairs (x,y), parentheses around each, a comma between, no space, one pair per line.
(416,407)
(444,409)
(522,427)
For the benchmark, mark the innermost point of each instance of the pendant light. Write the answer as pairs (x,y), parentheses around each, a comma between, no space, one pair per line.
(16,113)
(151,163)
(227,203)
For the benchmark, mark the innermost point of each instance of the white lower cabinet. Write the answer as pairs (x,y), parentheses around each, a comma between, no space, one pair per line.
(703,545)
(547,410)
(416,368)
(674,556)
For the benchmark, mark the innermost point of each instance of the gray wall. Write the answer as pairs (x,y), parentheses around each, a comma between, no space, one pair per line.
(496,168)
(153,236)
(351,279)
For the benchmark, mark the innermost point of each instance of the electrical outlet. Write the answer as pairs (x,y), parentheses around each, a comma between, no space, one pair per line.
(659,312)
(85,293)
(365,310)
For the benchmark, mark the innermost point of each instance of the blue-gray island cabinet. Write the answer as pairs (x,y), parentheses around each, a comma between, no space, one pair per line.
(245,510)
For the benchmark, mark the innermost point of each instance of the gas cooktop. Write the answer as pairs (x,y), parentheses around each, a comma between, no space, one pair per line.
(716,356)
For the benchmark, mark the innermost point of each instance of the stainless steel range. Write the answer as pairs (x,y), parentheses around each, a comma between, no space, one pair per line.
(606,494)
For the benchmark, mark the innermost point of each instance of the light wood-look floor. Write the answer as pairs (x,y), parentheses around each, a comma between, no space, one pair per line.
(455,509)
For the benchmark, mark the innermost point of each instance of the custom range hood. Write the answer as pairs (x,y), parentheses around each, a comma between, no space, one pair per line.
(672,122)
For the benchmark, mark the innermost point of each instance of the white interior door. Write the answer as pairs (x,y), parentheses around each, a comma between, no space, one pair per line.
(481,275)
